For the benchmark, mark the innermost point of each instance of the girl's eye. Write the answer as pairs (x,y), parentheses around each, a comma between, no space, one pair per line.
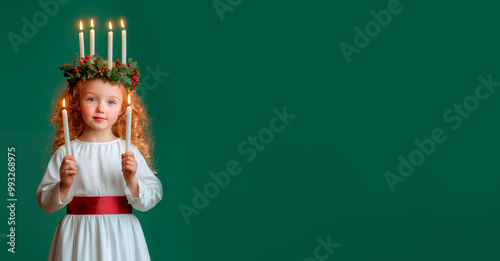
(112,102)
(90,99)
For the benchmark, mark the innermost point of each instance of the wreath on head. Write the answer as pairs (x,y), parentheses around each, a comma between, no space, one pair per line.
(94,67)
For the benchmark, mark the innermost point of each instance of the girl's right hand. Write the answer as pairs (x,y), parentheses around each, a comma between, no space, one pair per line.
(67,172)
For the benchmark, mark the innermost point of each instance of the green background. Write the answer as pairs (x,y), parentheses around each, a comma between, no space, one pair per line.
(323,175)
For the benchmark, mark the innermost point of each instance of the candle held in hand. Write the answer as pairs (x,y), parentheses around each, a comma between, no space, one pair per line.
(129,124)
(66,129)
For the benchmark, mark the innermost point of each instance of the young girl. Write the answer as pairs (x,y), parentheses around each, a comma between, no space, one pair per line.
(101,182)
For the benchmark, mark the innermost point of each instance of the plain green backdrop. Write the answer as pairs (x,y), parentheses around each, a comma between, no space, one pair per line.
(322,177)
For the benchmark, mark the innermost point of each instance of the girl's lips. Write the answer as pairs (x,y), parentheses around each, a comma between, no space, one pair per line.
(98,119)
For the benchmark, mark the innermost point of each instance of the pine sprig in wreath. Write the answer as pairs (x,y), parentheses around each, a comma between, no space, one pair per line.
(83,69)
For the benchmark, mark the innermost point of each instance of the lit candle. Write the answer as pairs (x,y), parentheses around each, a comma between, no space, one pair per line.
(66,129)
(110,47)
(80,35)
(124,44)
(129,124)
(92,39)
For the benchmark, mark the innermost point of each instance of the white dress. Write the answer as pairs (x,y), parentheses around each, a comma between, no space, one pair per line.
(98,237)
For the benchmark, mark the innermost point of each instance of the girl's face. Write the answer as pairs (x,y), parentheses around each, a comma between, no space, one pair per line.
(100,104)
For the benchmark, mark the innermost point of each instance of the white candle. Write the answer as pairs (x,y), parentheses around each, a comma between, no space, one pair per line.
(110,47)
(92,39)
(66,129)
(80,35)
(129,124)
(124,44)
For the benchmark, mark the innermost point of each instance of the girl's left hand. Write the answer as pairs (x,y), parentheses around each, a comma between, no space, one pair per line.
(129,166)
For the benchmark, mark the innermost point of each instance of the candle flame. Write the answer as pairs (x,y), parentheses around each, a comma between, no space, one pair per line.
(92,23)
(64,103)
(81,25)
(110,26)
(129,99)
(123,25)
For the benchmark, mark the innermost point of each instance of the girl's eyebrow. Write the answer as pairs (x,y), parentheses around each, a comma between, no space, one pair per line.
(116,97)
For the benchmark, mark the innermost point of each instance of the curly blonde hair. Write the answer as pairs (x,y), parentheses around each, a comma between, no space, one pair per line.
(141,135)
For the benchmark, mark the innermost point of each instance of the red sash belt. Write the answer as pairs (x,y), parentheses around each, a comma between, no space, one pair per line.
(99,205)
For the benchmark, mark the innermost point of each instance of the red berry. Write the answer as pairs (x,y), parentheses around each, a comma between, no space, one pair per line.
(81,63)
(119,64)
(133,84)
(104,67)
(81,58)
(76,60)
(133,77)
(138,74)
(86,61)
(76,70)
(129,65)
(117,60)
(99,71)
(136,80)
(87,57)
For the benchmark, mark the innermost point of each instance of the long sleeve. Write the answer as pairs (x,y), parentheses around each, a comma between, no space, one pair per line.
(47,194)
(150,188)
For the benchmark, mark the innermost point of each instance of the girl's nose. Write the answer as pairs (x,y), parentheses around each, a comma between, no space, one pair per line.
(100,108)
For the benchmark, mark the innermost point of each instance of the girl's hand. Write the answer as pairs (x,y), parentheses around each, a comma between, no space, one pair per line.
(67,171)
(129,167)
